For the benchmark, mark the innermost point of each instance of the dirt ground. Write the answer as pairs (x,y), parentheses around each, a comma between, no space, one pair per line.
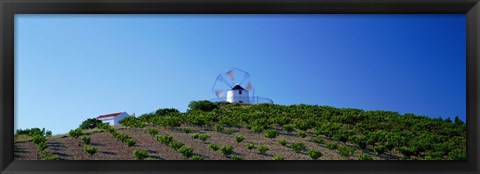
(69,148)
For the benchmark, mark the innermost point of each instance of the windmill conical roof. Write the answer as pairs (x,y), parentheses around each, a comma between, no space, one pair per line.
(237,87)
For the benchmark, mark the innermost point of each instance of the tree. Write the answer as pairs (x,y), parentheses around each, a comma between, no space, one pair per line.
(165,111)
(203,105)
(90,123)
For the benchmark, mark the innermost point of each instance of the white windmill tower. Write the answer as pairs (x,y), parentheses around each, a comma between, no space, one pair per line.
(234,79)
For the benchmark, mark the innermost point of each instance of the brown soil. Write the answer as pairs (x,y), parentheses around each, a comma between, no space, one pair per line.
(69,148)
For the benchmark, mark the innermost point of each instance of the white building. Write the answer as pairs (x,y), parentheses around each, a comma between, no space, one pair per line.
(112,119)
(238,95)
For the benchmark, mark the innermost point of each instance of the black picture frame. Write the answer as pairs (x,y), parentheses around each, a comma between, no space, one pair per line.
(8,9)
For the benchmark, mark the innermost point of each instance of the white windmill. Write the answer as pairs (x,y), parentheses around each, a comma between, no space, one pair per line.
(235,83)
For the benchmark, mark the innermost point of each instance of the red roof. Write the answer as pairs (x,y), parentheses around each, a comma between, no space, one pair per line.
(110,115)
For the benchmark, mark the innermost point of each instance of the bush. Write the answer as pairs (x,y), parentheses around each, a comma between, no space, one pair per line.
(195,135)
(365,157)
(203,105)
(236,157)
(380,149)
(203,137)
(331,146)
(90,123)
(317,140)
(258,129)
(90,149)
(271,133)
(314,154)
(249,146)
(226,150)
(262,149)
(196,158)
(457,154)
(346,151)
(75,133)
(229,131)
(219,127)
(37,139)
(130,142)
(297,147)
(187,130)
(302,134)
(164,139)
(42,146)
(176,145)
(85,139)
(140,154)
(186,151)
(289,128)
(283,142)
(239,138)
(278,157)
(152,132)
(213,147)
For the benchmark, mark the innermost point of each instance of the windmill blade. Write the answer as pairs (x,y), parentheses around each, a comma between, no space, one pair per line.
(219,93)
(230,74)
(220,78)
(249,86)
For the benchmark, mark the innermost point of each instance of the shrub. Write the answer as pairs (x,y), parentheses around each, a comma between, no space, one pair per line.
(187,130)
(186,151)
(50,157)
(302,134)
(262,149)
(176,145)
(226,150)
(283,142)
(278,157)
(457,154)
(314,154)
(236,157)
(229,131)
(85,139)
(37,139)
(203,105)
(331,146)
(130,142)
(249,146)
(75,133)
(42,146)
(196,158)
(164,139)
(140,154)
(219,127)
(239,138)
(380,149)
(90,149)
(271,133)
(258,129)
(195,135)
(90,123)
(346,151)
(203,137)
(149,158)
(289,128)
(317,140)
(365,157)
(152,132)
(297,147)
(213,147)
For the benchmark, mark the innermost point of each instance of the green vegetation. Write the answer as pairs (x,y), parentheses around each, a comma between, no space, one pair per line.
(278,157)
(289,128)
(90,149)
(302,134)
(140,154)
(314,154)
(331,146)
(283,142)
(195,135)
(346,151)
(176,144)
(213,147)
(75,133)
(226,150)
(365,157)
(90,123)
(152,132)
(317,140)
(297,147)
(271,133)
(187,130)
(164,139)
(249,146)
(262,149)
(85,139)
(186,151)
(239,138)
(196,158)
(236,157)
(203,137)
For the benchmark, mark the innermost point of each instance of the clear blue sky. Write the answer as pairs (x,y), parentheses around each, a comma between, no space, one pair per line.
(72,67)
